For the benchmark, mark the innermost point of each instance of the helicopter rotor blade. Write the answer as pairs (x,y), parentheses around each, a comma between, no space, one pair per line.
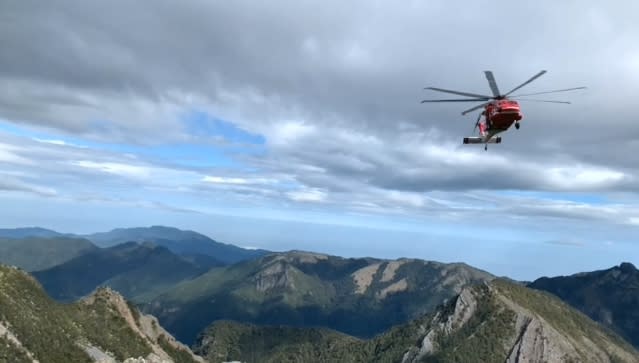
(534,100)
(541,73)
(457,92)
(458,100)
(477,123)
(553,91)
(492,83)
(475,108)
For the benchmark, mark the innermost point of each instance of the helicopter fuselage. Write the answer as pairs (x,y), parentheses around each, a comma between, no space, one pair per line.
(501,114)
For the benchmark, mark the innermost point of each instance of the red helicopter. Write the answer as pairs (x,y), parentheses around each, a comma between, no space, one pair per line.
(500,110)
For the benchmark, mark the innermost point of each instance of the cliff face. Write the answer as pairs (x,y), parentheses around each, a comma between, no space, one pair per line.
(520,325)
(104,327)
(610,297)
(489,322)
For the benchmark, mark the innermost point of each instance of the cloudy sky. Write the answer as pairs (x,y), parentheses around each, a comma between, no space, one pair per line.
(298,125)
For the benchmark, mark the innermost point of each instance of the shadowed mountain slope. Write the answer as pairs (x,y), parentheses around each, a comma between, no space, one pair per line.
(609,296)
(358,296)
(37,253)
(136,271)
(492,322)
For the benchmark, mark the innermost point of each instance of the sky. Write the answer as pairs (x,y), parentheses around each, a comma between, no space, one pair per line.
(298,125)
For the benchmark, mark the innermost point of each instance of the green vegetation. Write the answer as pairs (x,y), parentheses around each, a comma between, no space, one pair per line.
(249,343)
(487,336)
(104,326)
(179,355)
(483,339)
(563,317)
(136,271)
(39,253)
(610,297)
(305,289)
(43,327)
(55,332)
(10,353)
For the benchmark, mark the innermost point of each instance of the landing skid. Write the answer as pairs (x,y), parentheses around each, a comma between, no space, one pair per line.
(482,140)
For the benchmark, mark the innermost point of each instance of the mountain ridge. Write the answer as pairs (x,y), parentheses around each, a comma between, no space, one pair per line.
(311,289)
(35,253)
(495,321)
(103,326)
(134,269)
(177,240)
(609,296)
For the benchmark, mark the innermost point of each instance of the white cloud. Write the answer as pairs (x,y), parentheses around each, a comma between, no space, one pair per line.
(336,98)
(410,199)
(634,221)
(9,154)
(236,180)
(121,169)
(582,177)
(58,142)
(10,183)
(290,132)
(307,195)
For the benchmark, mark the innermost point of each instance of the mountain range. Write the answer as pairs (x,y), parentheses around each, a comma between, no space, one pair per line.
(178,241)
(357,296)
(496,321)
(41,252)
(301,304)
(181,242)
(134,270)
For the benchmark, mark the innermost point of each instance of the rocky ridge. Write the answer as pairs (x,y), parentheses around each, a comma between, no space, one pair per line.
(490,322)
(103,327)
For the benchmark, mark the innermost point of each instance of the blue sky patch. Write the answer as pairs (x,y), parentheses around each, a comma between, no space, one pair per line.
(187,155)
(586,198)
(200,123)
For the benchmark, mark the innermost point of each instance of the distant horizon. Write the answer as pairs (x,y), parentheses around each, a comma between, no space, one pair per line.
(293,248)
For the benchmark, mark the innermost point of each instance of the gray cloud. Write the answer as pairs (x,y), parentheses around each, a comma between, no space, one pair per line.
(13,184)
(334,89)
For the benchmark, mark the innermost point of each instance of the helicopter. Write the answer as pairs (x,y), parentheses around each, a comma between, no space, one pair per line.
(500,110)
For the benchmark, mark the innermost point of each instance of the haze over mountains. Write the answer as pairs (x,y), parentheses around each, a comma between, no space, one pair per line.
(267,306)
(178,241)
(37,252)
(135,270)
(186,243)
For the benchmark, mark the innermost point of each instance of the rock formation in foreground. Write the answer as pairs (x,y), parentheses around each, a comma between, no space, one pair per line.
(103,328)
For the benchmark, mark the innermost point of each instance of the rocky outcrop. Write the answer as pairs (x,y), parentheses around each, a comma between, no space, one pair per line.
(6,333)
(444,324)
(146,326)
(610,296)
(390,269)
(555,333)
(364,277)
(397,286)
(276,275)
